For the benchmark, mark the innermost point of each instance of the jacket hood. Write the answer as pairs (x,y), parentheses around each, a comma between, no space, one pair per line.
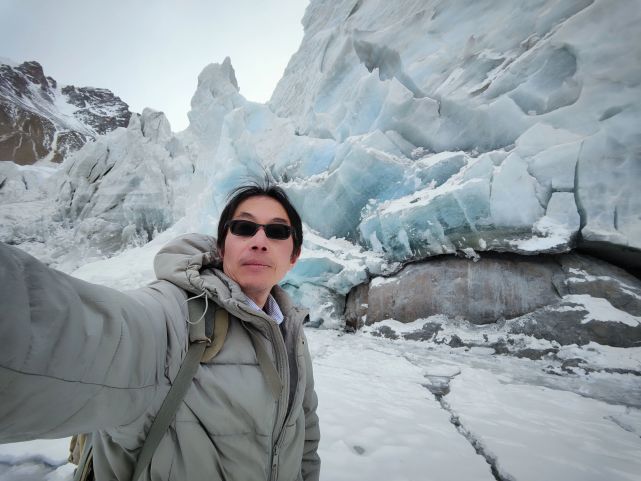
(192,263)
(181,260)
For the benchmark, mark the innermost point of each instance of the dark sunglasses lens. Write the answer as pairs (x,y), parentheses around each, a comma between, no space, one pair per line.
(243,228)
(277,231)
(246,228)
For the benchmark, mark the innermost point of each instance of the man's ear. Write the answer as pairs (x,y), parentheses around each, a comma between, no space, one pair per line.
(294,257)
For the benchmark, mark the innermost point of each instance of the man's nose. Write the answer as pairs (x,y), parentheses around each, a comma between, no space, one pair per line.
(259,240)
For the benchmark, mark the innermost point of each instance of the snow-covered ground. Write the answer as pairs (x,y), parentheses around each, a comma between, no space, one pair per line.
(381,422)
(387,413)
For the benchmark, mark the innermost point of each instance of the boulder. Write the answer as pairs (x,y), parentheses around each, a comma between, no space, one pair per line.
(567,298)
(597,278)
(496,286)
(570,321)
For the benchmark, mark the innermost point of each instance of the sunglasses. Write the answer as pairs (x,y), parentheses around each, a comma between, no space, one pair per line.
(247,228)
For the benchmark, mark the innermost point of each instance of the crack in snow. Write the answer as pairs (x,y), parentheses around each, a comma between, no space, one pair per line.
(439,391)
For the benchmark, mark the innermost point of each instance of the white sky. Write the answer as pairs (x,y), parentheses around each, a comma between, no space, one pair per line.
(150,52)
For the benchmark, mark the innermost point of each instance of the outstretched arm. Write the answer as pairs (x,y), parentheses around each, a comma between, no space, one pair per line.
(74,356)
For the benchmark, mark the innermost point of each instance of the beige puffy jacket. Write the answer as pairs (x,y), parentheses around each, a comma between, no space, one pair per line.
(77,357)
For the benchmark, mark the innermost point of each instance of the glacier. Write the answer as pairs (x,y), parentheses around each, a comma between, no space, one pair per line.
(510,125)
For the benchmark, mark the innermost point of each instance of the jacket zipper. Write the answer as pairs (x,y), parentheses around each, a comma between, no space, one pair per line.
(282,367)
(281,411)
(279,439)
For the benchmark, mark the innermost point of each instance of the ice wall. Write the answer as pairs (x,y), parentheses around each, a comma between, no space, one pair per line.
(484,125)
(126,187)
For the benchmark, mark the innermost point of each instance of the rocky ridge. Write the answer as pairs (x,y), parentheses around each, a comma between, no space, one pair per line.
(41,120)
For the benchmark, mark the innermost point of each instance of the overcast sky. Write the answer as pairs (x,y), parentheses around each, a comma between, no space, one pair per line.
(150,52)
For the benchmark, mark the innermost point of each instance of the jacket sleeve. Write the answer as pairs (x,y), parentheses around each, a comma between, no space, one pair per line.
(74,356)
(310,467)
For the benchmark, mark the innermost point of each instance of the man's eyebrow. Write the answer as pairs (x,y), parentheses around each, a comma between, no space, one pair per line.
(248,215)
(245,214)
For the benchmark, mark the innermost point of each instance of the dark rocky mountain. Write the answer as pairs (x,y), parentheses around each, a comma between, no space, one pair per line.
(41,120)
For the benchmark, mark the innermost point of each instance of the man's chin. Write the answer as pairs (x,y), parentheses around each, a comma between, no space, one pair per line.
(252,287)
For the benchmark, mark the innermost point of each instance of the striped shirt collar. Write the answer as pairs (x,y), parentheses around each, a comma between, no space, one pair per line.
(272,309)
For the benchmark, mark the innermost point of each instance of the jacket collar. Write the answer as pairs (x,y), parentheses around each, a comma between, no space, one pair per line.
(192,263)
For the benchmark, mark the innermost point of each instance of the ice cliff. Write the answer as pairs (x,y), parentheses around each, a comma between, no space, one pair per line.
(484,125)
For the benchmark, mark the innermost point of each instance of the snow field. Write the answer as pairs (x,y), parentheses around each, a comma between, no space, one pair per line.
(379,422)
(538,433)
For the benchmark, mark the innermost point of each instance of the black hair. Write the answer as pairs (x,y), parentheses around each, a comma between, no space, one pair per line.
(264,189)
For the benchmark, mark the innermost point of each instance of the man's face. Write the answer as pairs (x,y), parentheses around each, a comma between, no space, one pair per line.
(257,263)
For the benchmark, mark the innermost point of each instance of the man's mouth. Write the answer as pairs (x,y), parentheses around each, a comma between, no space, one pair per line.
(255,264)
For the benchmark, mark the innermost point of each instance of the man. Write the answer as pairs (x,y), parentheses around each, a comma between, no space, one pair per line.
(76,357)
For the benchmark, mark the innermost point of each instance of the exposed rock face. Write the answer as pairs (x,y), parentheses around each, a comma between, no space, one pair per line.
(98,108)
(568,322)
(589,276)
(496,286)
(588,285)
(568,298)
(356,307)
(39,120)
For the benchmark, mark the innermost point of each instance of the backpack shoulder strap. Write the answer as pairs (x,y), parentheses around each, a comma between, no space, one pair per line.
(219,333)
(199,343)
(213,331)
(169,406)
(84,471)
(267,367)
